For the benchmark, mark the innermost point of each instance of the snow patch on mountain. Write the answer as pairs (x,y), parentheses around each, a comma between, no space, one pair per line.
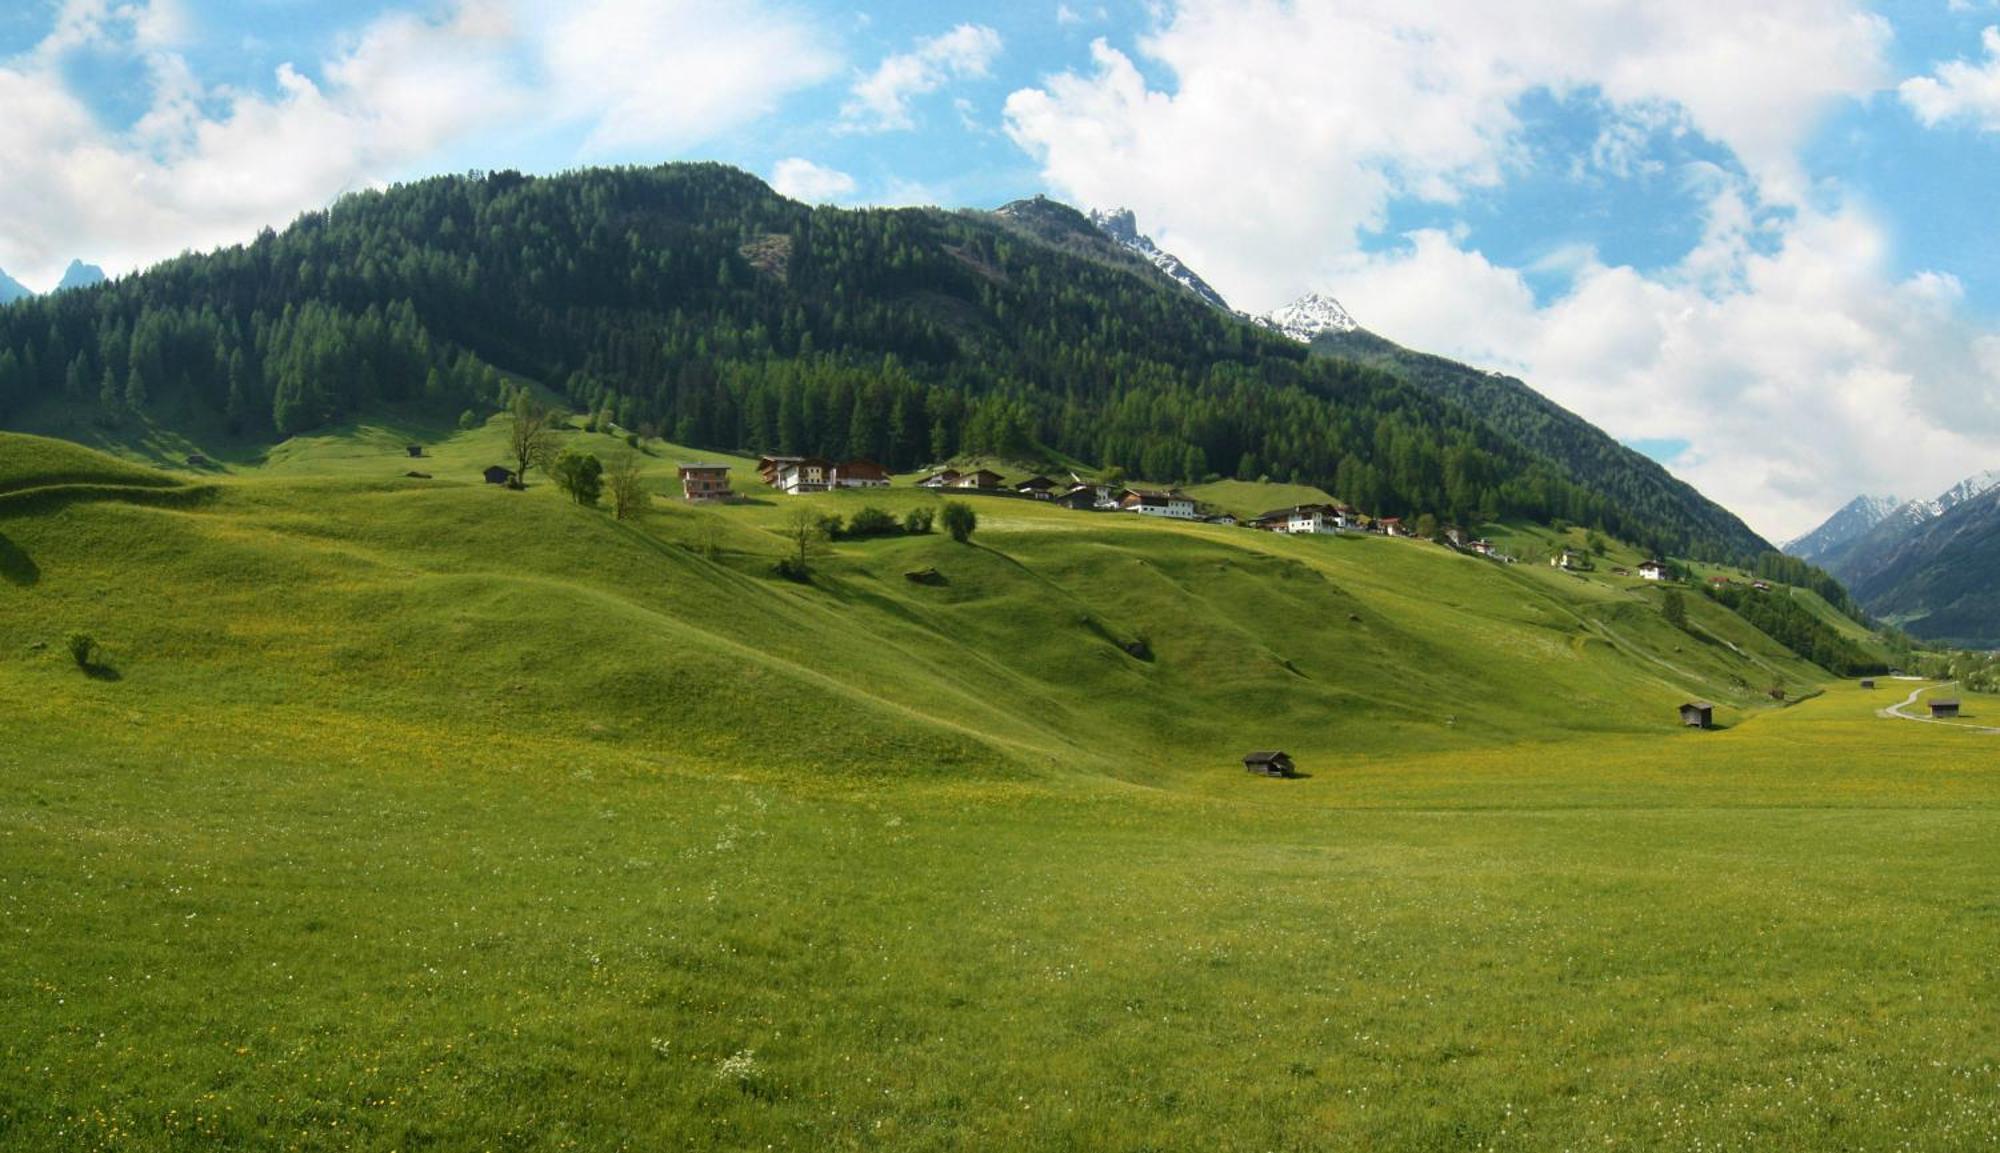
(1970,488)
(1122,226)
(1308,316)
(1302,319)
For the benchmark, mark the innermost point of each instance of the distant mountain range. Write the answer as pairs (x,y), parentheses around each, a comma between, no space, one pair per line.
(1930,566)
(77,275)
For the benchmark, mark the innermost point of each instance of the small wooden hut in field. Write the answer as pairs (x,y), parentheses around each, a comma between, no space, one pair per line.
(1944,710)
(498,474)
(1273,763)
(1867,682)
(414,449)
(1698,715)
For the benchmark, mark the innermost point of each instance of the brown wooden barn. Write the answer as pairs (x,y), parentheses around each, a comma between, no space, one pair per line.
(1698,715)
(1272,763)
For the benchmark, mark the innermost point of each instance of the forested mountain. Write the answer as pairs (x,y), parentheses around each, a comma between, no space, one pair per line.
(1686,522)
(694,299)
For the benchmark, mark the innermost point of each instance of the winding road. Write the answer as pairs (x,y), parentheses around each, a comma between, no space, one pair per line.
(1899,711)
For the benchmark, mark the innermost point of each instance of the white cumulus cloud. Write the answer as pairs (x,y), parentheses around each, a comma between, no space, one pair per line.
(1959,90)
(880,101)
(803,180)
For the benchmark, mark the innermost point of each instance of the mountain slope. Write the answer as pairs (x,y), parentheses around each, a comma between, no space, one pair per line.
(1923,563)
(1121,226)
(1937,576)
(1681,520)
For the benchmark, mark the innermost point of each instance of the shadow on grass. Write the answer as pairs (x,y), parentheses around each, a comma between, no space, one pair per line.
(98,671)
(17,567)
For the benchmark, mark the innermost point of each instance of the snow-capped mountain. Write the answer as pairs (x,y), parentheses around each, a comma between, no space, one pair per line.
(1849,524)
(1921,561)
(1307,317)
(1973,486)
(1121,226)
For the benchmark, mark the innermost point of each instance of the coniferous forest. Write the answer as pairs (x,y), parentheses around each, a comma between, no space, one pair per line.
(693,301)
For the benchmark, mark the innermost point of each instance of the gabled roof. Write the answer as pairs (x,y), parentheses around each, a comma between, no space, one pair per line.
(1264,758)
(1698,705)
(1946,703)
(699,467)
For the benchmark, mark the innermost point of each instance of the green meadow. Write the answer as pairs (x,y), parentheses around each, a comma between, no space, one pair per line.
(412,813)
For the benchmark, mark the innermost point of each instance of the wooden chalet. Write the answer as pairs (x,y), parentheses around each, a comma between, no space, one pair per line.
(1698,715)
(1176,505)
(1945,710)
(805,474)
(1653,570)
(1391,526)
(859,474)
(983,479)
(705,483)
(768,466)
(939,479)
(1303,518)
(1272,763)
(1037,488)
(1082,497)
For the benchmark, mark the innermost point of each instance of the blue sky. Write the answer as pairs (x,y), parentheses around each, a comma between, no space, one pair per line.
(1753,240)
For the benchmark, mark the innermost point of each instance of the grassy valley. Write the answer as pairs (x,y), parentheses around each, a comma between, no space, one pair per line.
(411,812)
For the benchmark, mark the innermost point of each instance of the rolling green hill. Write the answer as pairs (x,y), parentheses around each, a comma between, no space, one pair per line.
(35,462)
(499,610)
(411,812)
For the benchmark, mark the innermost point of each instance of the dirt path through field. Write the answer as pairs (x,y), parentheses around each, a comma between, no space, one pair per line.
(1898,711)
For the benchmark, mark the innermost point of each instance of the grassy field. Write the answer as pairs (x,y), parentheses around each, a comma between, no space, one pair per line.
(409,813)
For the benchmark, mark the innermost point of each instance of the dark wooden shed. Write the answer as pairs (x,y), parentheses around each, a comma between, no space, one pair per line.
(1867,682)
(414,449)
(1945,710)
(1270,764)
(496,474)
(1698,715)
